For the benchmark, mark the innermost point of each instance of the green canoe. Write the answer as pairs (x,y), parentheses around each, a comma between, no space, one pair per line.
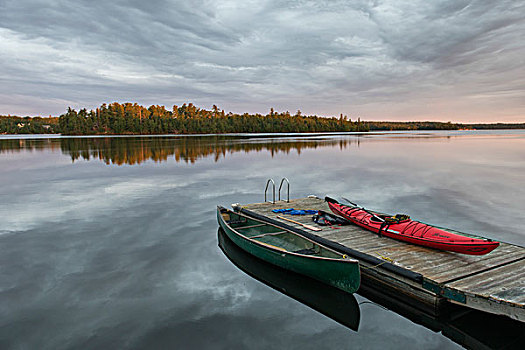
(290,250)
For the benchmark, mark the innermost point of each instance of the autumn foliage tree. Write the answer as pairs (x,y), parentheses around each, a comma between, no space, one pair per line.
(130,118)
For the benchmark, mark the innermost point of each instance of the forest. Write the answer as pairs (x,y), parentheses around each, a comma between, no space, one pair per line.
(429,125)
(134,119)
(28,125)
(128,118)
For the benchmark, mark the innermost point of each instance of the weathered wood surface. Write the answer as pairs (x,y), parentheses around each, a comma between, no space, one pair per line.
(506,283)
(498,276)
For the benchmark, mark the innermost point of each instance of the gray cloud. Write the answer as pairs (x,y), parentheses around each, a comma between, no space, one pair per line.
(446,60)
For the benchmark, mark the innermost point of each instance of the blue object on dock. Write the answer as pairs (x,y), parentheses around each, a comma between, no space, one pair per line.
(283,210)
(292,211)
(302,212)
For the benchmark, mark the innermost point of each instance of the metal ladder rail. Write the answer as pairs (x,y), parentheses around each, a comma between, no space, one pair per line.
(266,190)
(288,189)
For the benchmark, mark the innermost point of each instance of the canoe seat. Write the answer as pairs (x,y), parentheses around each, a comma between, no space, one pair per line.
(268,234)
(309,251)
(251,226)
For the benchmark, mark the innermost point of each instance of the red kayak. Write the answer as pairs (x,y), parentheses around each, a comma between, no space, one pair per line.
(402,228)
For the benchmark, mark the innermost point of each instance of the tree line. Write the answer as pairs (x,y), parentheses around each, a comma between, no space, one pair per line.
(428,125)
(28,125)
(425,125)
(128,118)
(134,119)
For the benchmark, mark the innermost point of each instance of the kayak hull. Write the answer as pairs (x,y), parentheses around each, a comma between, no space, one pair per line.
(413,232)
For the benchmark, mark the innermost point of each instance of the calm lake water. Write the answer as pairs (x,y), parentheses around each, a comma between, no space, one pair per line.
(111,242)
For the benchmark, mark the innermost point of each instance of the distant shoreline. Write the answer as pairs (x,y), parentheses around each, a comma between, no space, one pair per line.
(130,119)
(4,136)
(367,126)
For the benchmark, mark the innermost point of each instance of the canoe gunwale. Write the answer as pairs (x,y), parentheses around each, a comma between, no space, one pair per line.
(344,257)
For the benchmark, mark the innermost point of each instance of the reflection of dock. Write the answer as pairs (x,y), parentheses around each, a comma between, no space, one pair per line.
(427,278)
(470,328)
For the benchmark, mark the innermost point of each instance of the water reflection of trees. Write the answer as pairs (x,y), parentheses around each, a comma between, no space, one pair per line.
(16,145)
(136,150)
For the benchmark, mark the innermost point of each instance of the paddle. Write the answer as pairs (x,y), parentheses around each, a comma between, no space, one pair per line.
(368,211)
(313,228)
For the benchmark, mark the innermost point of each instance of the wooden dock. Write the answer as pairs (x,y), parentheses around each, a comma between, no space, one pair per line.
(493,283)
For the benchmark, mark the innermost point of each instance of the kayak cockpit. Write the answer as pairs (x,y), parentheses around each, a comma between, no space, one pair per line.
(377,219)
(389,219)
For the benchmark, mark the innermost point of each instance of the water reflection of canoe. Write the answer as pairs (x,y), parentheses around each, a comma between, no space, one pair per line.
(332,302)
(287,249)
(402,228)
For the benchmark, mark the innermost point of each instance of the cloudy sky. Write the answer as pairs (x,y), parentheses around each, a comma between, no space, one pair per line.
(454,60)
